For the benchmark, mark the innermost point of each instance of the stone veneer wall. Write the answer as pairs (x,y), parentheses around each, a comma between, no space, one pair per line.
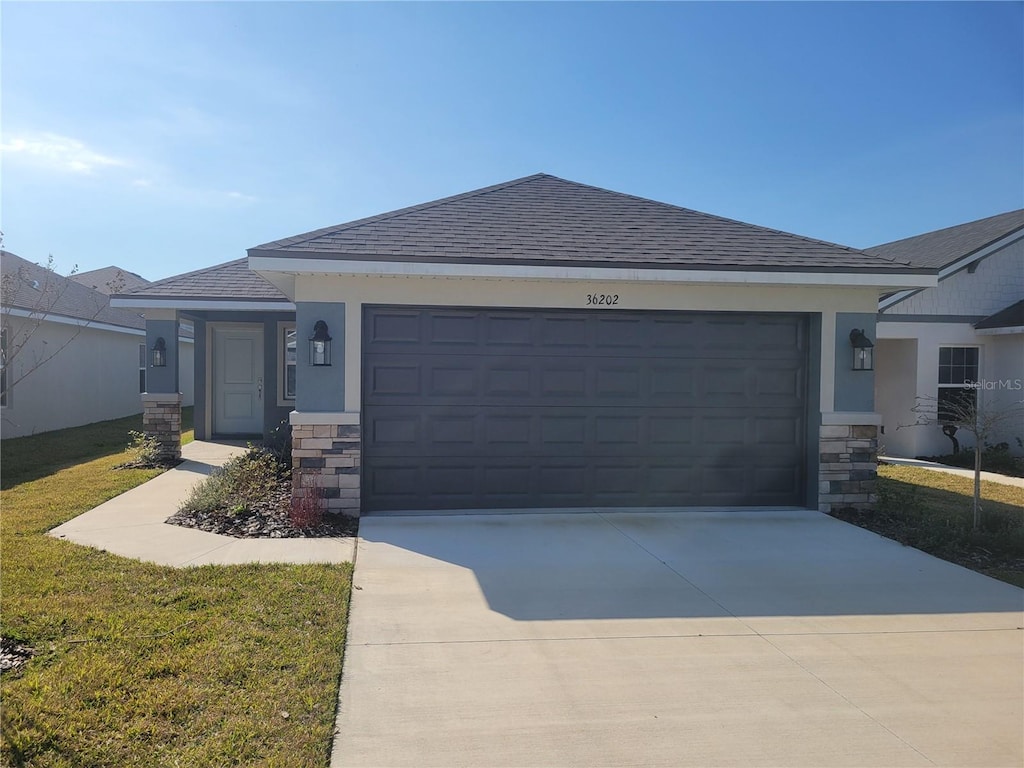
(327,456)
(161,418)
(849,465)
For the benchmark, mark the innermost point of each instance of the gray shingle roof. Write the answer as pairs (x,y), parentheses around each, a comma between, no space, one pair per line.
(33,288)
(938,249)
(231,280)
(1011,317)
(544,220)
(110,280)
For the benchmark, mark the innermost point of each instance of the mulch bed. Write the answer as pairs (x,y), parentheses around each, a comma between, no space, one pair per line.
(268,520)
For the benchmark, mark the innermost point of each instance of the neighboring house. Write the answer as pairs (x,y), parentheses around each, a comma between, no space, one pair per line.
(968,328)
(69,358)
(542,344)
(110,280)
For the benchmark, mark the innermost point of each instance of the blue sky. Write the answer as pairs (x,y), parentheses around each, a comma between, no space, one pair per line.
(166,137)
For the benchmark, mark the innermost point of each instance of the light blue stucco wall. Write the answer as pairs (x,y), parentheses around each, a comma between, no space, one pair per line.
(320,388)
(165,379)
(854,390)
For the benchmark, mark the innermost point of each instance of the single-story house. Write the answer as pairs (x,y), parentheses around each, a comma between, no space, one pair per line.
(543,344)
(67,357)
(968,329)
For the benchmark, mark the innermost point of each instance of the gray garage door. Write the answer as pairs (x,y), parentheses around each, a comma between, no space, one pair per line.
(493,408)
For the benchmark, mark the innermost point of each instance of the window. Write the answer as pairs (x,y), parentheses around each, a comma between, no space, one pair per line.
(288,339)
(958,371)
(3,368)
(142,368)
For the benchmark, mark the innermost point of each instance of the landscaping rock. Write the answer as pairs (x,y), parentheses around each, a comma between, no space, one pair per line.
(267,520)
(13,655)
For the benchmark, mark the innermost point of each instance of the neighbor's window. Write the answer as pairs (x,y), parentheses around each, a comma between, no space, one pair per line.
(958,370)
(3,367)
(142,368)
(288,360)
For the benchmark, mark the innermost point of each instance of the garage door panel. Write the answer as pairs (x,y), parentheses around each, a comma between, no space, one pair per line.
(459,381)
(478,408)
(469,380)
(391,328)
(448,431)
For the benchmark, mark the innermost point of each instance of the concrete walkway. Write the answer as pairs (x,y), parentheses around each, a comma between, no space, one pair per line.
(921,464)
(673,638)
(132,524)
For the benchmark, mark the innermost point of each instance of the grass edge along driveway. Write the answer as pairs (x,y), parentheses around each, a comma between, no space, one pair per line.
(144,665)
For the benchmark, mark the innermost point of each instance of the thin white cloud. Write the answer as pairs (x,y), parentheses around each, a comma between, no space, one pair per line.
(62,153)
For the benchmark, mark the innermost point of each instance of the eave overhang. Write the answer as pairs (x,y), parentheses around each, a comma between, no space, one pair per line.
(281,271)
(186,303)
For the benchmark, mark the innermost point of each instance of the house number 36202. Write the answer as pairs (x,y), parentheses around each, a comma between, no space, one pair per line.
(602,299)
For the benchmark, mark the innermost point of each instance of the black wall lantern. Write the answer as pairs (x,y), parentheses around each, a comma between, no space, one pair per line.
(320,345)
(160,353)
(863,351)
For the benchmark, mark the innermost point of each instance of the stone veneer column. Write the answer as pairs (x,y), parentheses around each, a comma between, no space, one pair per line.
(848,455)
(327,456)
(161,418)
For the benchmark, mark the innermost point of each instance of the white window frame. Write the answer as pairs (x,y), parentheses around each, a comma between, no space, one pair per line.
(143,380)
(955,385)
(282,362)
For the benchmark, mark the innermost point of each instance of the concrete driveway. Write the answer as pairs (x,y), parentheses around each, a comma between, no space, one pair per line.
(755,638)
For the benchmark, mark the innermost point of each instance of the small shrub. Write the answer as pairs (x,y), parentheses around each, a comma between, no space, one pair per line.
(253,476)
(143,451)
(307,510)
(242,483)
(209,495)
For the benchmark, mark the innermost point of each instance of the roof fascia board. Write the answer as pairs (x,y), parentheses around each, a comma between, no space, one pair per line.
(47,317)
(999,331)
(171,302)
(293,265)
(968,319)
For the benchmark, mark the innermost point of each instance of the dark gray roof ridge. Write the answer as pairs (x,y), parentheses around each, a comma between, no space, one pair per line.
(176,278)
(936,241)
(306,236)
(286,243)
(230,281)
(723,218)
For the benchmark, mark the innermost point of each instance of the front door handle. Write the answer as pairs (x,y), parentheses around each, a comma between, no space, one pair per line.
(259,387)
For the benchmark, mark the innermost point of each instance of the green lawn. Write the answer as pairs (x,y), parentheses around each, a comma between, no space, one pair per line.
(142,665)
(932,511)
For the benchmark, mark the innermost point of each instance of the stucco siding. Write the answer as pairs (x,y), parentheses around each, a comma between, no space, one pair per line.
(1001,370)
(94,378)
(572,294)
(996,283)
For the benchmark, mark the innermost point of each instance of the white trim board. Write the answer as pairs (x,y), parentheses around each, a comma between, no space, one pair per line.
(529,272)
(44,317)
(210,304)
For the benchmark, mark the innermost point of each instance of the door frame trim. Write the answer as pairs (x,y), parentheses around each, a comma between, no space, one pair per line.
(211,394)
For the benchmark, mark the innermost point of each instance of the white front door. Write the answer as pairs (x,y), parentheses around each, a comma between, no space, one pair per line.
(237,379)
